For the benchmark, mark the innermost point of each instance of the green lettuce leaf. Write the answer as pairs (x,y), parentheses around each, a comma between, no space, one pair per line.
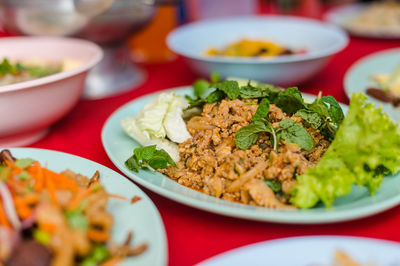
(366,148)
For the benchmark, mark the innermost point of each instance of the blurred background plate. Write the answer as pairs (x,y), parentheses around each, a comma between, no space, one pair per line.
(319,41)
(358,77)
(142,218)
(311,250)
(343,15)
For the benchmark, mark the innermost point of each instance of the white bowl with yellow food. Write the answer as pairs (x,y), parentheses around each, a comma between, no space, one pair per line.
(41,80)
(280,50)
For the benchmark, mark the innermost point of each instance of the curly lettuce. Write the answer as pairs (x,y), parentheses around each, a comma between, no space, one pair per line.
(366,148)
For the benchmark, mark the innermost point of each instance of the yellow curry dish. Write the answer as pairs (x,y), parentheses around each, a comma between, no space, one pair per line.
(251,48)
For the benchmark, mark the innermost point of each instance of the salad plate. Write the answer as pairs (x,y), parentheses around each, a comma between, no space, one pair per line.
(311,250)
(142,217)
(119,146)
(358,77)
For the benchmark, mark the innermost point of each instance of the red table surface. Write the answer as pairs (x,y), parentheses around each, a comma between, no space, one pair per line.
(194,235)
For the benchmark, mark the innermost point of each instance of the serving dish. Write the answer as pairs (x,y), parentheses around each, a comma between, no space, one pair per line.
(343,15)
(310,250)
(357,204)
(358,76)
(142,217)
(319,40)
(32,106)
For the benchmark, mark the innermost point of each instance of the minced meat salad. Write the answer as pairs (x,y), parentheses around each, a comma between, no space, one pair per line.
(254,143)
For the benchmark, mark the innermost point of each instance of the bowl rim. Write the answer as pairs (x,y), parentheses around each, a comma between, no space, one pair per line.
(333,49)
(98,55)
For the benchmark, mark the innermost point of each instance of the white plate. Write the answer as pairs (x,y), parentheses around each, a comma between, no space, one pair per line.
(308,251)
(358,77)
(142,217)
(119,147)
(341,15)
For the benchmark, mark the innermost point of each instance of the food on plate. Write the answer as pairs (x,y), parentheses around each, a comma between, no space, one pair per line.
(341,258)
(376,18)
(257,144)
(19,71)
(252,48)
(49,218)
(387,87)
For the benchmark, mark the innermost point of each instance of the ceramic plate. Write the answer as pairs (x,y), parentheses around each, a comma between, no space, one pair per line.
(142,217)
(308,251)
(341,15)
(119,147)
(358,77)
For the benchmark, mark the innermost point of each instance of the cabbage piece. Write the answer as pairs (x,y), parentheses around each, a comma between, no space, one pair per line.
(157,120)
(366,148)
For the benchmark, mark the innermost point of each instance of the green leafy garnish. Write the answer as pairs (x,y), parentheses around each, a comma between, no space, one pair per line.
(98,254)
(7,68)
(41,236)
(366,148)
(290,100)
(274,185)
(262,110)
(248,135)
(229,87)
(24,163)
(24,176)
(215,77)
(310,118)
(200,88)
(76,219)
(293,132)
(149,157)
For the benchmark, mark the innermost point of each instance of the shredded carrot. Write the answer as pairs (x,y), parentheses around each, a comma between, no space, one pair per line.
(62,181)
(48,227)
(97,236)
(3,217)
(27,199)
(23,211)
(50,186)
(112,262)
(116,196)
(79,197)
(39,178)
(12,165)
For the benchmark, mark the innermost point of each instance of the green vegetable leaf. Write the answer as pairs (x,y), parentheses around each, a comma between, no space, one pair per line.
(215,96)
(293,132)
(77,220)
(262,110)
(200,88)
(166,156)
(132,164)
(274,185)
(230,87)
(215,77)
(366,148)
(262,90)
(310,118)
(248,135)
(7,68)
(144,153)
(335,111)
(24,163)
(290,100)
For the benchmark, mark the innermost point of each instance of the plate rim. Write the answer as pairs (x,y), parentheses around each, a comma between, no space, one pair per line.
(276,216)
(163,237)
(284,240)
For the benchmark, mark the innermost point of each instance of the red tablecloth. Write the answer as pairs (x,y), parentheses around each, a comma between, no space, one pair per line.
(195,235)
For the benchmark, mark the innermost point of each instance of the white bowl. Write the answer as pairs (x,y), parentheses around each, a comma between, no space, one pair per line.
(28,108)
(321,41)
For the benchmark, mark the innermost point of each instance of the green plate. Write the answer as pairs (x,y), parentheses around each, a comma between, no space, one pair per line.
(357,204)
(358,77)
(142,217)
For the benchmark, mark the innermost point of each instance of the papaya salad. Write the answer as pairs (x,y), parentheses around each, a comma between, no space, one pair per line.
(262,145)
(49,218)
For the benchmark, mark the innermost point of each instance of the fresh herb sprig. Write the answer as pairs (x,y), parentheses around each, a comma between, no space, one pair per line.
(149,157)
(324,114)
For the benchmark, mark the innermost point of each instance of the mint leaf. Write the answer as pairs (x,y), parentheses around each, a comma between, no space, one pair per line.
(290,100)
(132,164)
(335,111)
(310,119)
(248,135)
(230,87)
(262,110)
(292,132)
(158,162)
(200,88)
(215,77)
(262,90)
(166,156)
(274,185)
(215,96)
(144,153)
